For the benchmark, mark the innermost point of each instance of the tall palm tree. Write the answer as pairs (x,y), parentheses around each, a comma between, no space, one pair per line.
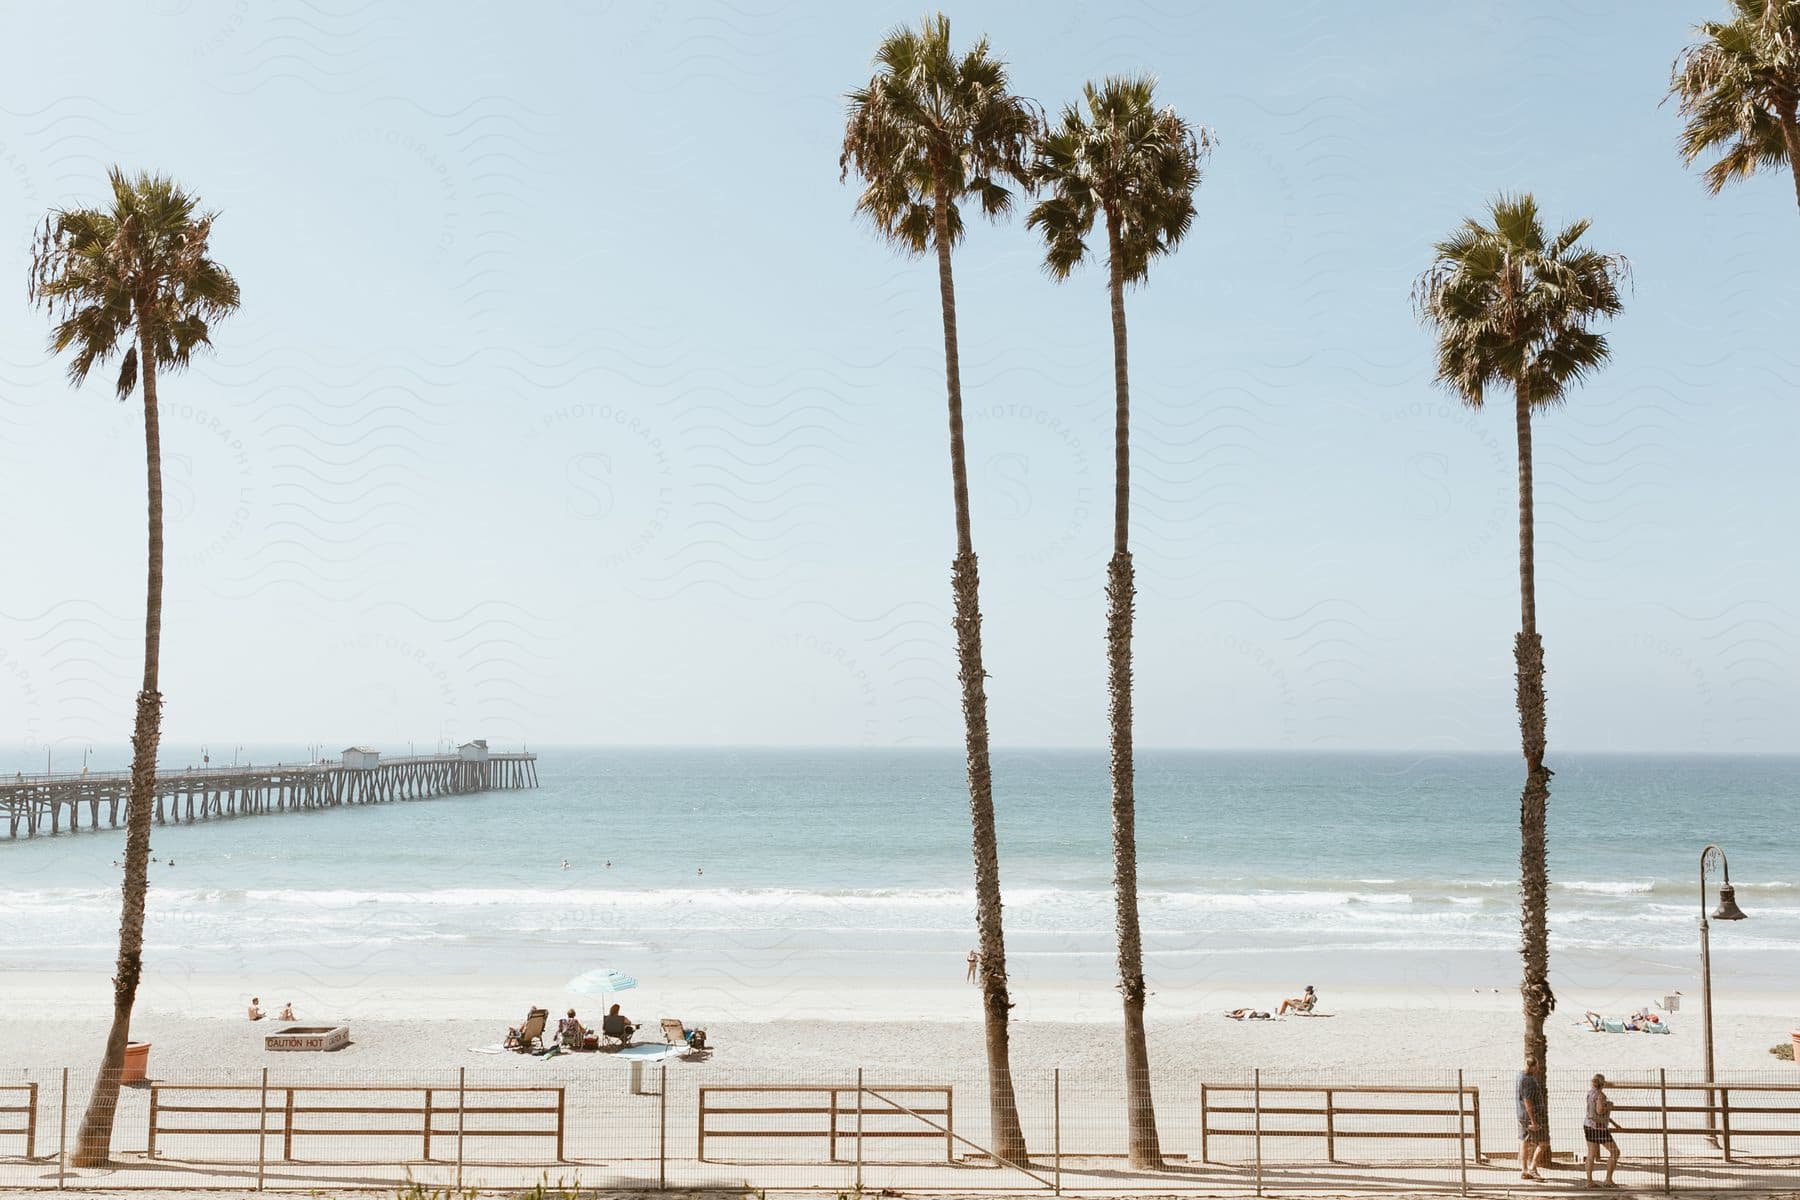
(134,280)
(1136,166)
(931,129)
(1739,88)
(1514,308)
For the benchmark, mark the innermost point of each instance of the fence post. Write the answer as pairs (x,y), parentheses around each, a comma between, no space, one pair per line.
(462,1089)
(950,1123)
(428,1122)
(1203,1149)
(1056,1123)
(150,1137)
(1725,1121)
(1662,1079)
(1257,1135)
(62,1142)
(1462,1146)
(1330,1129)
(287,1126)
(662,1127)
(859,1127)
(262,1129)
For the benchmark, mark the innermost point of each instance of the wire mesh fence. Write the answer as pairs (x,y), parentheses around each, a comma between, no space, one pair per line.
(690,1125)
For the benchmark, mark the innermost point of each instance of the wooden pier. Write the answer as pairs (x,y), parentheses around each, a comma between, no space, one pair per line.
(56,803)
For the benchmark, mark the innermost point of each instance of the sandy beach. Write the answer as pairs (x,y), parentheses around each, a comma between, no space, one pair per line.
(1066,1072)
(780,1028)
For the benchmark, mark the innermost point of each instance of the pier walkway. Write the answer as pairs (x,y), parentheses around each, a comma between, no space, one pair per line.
(56,803)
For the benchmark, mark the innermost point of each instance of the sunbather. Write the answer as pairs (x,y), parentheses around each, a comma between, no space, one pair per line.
(571,1032)
(1248,1014)
(529,1033)
(1299,1003)
(616,1024)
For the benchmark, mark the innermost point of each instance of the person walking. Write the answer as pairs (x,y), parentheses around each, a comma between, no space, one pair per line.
(1596,1129)
(1534,1121)
(974,965)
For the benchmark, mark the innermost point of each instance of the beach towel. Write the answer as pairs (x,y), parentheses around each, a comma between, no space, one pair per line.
(1614,1025)
(1655,1027)
(495,1049)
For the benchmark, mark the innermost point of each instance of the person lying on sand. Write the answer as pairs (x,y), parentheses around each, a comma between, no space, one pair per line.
(1248,1014)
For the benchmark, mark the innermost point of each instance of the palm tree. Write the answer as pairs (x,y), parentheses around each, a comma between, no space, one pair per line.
(933,128)
(1514,308)
(1739,88)
(133,280)
(1137,166)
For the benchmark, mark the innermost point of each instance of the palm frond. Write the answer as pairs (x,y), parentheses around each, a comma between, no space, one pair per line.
(1124,160)
(1511,306)
(1736,87)
(138,270)
(935,128)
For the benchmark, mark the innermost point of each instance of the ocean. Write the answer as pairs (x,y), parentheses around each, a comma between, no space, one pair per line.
(855,864)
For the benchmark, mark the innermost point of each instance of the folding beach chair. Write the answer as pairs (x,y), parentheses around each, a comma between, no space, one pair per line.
(530,1035)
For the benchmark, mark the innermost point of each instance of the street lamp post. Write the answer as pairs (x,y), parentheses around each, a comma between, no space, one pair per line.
(1727,911)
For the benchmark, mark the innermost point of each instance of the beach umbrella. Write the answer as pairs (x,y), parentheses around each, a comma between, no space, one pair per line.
(600,981)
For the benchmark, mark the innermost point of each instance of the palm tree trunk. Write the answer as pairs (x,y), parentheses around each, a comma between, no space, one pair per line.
(1145,1148)
(94,1142)
(1003,1109)
(1790,132)
(1534,870)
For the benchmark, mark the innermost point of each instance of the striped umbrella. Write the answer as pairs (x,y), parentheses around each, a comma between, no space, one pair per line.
(600,981)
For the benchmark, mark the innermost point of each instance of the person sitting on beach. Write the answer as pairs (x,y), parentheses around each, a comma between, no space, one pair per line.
(571,1032)
(1248,1014)
(256,1013)
(1302,1004)
(617,1025)
(287,1012)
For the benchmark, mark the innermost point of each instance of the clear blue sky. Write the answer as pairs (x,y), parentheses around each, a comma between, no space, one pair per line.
(568,402)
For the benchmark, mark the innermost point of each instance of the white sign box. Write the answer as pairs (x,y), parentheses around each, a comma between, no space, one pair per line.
(308,1037)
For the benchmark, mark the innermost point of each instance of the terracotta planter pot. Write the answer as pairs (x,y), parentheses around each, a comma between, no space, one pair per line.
(137,1062)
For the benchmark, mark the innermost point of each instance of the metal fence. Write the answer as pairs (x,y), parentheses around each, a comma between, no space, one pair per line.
(690,1125)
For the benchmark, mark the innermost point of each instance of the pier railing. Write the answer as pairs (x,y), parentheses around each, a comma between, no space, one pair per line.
(587,1119)
(55,803)
(226,771)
